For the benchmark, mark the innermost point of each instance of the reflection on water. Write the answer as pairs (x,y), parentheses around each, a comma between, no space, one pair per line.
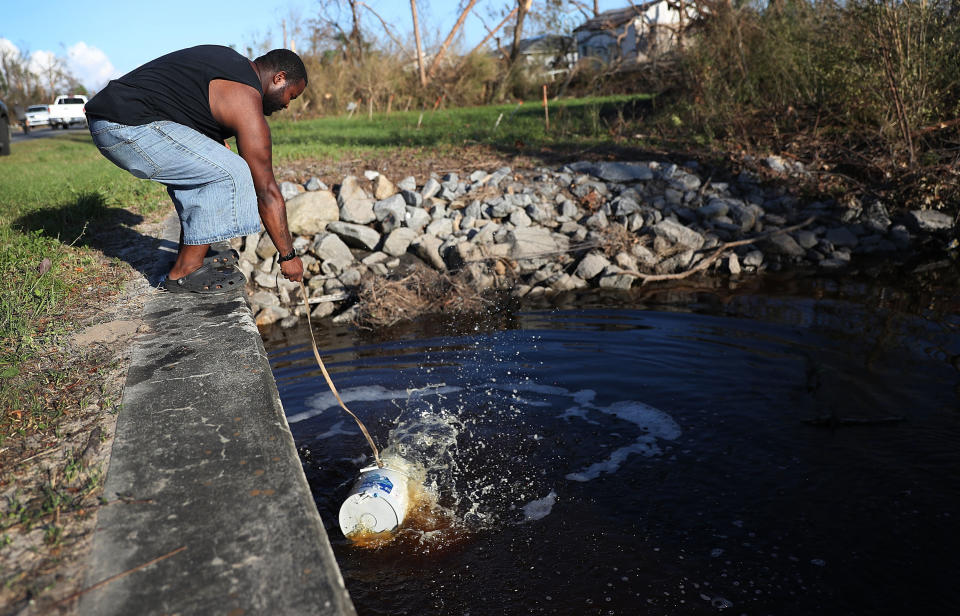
(789,451)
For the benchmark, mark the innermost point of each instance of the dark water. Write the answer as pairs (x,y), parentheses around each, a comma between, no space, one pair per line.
(791,450)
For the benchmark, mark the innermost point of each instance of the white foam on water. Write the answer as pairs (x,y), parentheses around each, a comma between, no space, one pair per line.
(336,430)
(577,411)
(655,423)
(323,401)
(540,508)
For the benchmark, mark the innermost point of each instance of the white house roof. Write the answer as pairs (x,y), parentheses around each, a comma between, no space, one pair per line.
(612,19)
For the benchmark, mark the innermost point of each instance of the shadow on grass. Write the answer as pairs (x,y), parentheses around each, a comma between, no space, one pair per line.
(87,220)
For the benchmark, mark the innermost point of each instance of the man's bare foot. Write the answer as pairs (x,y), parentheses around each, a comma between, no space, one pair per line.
(189,259)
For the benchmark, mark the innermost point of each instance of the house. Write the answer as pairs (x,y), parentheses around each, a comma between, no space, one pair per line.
(547,56)
(635,34)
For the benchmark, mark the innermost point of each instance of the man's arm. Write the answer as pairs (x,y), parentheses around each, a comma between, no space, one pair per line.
(238,107)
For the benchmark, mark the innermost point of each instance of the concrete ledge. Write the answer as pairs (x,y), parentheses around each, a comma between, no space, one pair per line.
(203,459)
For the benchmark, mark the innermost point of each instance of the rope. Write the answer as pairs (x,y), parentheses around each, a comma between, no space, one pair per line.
(326,375)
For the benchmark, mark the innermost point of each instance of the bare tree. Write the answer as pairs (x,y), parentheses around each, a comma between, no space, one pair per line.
(416,35)
(453,32)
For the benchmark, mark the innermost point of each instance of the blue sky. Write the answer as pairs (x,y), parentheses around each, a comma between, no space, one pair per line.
(102,39)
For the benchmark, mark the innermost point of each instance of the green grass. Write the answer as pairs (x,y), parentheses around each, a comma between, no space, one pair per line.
(576,123)
(52,193)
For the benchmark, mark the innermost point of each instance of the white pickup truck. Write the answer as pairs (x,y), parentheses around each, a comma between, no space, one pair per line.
(67,109)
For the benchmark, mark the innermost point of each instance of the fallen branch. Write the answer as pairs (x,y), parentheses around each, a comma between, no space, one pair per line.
(702,265)
(116,577)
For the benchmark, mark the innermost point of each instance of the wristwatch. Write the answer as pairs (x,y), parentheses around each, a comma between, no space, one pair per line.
(287,257)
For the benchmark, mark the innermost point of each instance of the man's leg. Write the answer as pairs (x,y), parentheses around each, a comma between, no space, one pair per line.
(189,258)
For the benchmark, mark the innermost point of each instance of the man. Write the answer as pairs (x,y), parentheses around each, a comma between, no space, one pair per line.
(168,121)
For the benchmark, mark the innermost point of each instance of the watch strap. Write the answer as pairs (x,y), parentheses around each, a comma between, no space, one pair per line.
(287,257)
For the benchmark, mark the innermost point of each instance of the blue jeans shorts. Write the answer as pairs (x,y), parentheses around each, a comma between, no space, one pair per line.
(211,187)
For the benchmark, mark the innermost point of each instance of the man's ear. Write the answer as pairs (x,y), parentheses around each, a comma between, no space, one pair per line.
(280,78)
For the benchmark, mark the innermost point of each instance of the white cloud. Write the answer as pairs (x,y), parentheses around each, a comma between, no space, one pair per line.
(8,48)
(90,65)
(40,62)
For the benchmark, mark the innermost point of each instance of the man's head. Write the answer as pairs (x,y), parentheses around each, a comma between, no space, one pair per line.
(283,77)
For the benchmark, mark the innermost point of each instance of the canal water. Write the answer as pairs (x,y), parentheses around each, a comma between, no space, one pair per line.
(791,448)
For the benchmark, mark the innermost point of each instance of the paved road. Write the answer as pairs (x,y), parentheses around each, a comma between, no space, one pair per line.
(40,133)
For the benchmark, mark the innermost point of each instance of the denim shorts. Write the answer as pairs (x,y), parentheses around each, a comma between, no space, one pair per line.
(211,187)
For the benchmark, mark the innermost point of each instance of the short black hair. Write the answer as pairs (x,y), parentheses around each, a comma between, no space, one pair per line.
(277,60)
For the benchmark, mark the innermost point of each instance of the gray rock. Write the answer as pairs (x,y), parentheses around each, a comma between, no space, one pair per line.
(644,255)
(714,209)
(621,172)
(357,211)
(678,234)
(323,310)
(459,256)
(876,218)
(519,218)
(529,242)
(412,198)
(329,247)
(753,258)
(350,277)
(784,244)
(265,248)
(733,264)
(776,164)
(626,261)
(309,213)
(261,299)
(743,214)
(427,247)
(442,228)
(930,220)
(351,190)
(393,204)
(314,183)
(841,236)
(474,210)
(358,236)
(624,206)
(597,221)
(684,181)
(592,265)
(249,252)
(408,183)
(616,281)
(347,316)
(416,218)
(540,212)
(289,190)
(676,263)
(430,188)
(673,197)
(270,315)
(900,236)
(265,280)
(478,175)
(373,258)
(807,239)
(383,188)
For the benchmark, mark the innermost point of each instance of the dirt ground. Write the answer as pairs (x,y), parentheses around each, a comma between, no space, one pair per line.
(52,482)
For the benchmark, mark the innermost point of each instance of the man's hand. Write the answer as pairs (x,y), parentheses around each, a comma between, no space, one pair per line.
(292,270)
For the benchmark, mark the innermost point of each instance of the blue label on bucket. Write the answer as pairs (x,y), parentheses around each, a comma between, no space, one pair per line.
(377,481)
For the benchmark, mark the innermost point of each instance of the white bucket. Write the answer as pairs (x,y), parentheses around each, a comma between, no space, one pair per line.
(377,502)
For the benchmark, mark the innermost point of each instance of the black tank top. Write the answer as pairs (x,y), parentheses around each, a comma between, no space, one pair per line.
(174,87)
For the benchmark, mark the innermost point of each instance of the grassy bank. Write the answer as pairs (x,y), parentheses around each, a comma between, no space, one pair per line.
(574,123)
(54,194)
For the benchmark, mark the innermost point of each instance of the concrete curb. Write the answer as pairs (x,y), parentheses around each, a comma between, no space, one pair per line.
(204,459)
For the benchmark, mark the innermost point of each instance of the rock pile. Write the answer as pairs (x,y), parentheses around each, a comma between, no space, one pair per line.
(544,231)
